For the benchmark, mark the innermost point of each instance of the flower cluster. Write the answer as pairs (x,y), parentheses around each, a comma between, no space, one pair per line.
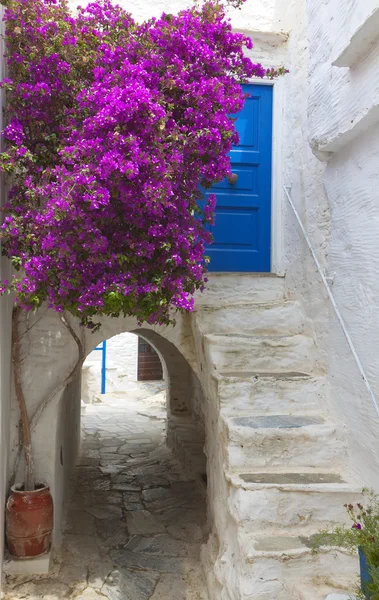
(362,535)
(111,127)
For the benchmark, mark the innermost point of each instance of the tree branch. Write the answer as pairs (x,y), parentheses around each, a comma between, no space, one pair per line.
(66,381)
(29,480)
(37,414)
(29,327)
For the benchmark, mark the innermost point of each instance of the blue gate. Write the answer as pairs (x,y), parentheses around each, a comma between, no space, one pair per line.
(242,230)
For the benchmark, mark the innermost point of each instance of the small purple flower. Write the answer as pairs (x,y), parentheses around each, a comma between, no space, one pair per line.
(357,526)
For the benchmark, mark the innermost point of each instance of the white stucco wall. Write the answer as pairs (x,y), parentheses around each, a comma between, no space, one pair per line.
(344,123)
(66,449)
(121,362)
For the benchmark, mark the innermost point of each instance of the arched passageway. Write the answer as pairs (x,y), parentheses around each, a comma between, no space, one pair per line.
(137,515)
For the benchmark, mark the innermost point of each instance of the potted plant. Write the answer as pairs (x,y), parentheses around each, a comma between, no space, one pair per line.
(363,537)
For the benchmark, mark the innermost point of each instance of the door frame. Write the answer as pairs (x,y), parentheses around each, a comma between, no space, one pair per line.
(277,218)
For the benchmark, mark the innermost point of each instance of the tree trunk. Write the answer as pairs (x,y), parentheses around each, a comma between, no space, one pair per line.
(29,482)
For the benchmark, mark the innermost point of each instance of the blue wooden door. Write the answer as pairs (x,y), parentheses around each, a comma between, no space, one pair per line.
(242,229)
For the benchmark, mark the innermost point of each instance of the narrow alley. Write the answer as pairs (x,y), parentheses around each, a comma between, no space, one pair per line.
(136,521)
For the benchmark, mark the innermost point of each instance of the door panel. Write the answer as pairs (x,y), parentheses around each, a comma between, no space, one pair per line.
(242,230)
(149,363)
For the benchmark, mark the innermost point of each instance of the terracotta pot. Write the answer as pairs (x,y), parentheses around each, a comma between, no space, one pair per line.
(29,521)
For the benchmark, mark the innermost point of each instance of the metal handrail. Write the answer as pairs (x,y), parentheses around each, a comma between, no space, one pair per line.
(334,304)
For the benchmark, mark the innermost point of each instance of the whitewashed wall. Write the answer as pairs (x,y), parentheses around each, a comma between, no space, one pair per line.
(67,444)
(121,362)
(343,128)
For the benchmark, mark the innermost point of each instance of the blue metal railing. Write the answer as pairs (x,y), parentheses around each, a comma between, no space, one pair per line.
(103,348)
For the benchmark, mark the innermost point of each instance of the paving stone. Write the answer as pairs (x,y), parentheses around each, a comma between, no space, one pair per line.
(89,594)
(91,482)
(124,584)
(112,469)
(108,525)
(122,477)
(125,487)
(190,532)
(72,573)
(79,521)
(183,515)
(109,442)
(81,547)
(108,450)
(98,572)
(112,533)
(149,481)
(111,459)
(157,493)
(152,469)
(163,545)
(108,511)
(139,454)
(90,461)
(48,590)
(89,498)
(142,522)
(131,496)
(130,506)
(178,587)
(165,504)
(148,562)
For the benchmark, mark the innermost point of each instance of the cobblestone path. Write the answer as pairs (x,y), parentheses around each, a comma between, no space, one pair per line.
(135,523)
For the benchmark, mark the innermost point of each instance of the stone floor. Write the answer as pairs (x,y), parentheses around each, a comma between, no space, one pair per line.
(136,520)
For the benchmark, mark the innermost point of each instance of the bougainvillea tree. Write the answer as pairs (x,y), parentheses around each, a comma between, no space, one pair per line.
(112,125)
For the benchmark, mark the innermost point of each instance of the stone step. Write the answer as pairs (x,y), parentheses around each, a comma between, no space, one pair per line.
(224,289)
(285,318)
(241,353)
(278,563)
(306,501)
(281,441)
(264,392)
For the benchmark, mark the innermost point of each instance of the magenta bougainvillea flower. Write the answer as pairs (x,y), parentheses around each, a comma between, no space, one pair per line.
(111,127)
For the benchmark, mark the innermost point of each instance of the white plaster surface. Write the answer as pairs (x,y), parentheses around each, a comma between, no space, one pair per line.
(256,15)
(67,449)
(343,102)
(340,100)
(34,566)
(121,362)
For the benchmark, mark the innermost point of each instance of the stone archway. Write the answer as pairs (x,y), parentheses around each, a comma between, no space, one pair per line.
(50,354)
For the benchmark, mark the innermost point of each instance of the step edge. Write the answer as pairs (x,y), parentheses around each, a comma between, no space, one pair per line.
(345,486)
(247,375)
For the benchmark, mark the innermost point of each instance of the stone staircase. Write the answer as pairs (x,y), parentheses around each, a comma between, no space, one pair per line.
(284,462)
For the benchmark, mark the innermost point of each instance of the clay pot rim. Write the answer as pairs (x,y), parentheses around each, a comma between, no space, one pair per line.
(40,487)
